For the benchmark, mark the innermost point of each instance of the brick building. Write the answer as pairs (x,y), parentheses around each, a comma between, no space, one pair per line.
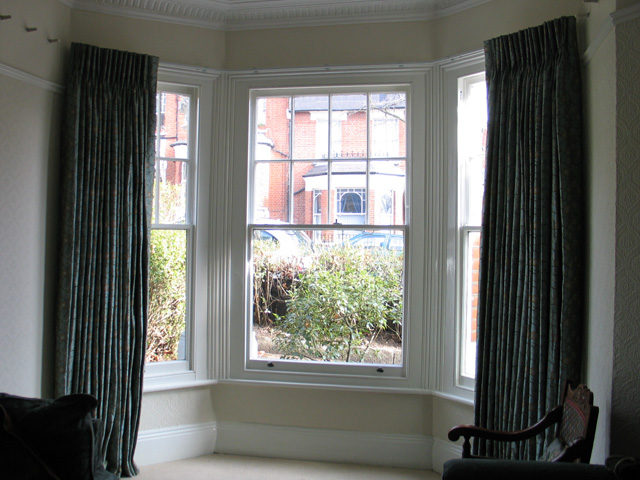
(331,159)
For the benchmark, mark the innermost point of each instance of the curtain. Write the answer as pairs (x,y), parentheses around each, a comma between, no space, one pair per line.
(532,246)
(106,193)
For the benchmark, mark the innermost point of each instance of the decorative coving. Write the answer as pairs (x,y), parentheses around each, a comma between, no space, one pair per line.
(254,14)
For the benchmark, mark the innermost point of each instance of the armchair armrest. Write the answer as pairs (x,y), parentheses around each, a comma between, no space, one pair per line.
(468,431)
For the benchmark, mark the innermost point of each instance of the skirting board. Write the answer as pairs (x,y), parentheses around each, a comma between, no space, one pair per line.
(443,451)
(296,443)
(175,443)
(324,445)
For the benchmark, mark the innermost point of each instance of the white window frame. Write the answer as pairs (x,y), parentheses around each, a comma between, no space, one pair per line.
(193,369)
(233,360)
(453,381)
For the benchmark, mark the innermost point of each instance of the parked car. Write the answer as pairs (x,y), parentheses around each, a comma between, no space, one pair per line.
(384,240)
(288,241)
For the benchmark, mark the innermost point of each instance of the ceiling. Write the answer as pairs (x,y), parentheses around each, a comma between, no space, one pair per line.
(252,14)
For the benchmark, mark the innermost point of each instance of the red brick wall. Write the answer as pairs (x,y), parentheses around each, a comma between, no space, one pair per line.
(277,129)
(173,131)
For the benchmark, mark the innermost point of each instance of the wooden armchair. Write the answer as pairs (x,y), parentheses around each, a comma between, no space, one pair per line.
(575,420)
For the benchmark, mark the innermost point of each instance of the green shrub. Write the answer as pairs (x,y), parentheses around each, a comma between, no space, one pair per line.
(273,277)
(341,304)
(167,288)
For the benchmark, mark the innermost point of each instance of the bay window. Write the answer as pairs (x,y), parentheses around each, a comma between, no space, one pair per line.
(326,225)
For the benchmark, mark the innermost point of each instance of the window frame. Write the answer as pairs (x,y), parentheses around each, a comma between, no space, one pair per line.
(453,380)
(194,368)
(236,356)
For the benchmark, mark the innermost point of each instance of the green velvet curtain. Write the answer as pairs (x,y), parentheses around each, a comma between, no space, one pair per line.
(106,193)
(531,293)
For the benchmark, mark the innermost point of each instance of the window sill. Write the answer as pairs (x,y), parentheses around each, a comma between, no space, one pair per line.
(454,398)
(325,386)
(163,384)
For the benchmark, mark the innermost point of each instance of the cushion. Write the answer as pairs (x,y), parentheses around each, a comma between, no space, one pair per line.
(44,439)
(554,450)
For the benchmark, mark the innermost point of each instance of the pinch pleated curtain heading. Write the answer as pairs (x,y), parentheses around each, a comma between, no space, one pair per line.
(106,198)
(531,287)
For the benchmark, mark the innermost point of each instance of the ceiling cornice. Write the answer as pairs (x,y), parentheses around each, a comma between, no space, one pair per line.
(254,14)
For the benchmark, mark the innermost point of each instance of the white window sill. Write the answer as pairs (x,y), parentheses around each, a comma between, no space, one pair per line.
(163,384)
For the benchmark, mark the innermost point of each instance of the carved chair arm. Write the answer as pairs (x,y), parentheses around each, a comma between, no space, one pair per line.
(468,431)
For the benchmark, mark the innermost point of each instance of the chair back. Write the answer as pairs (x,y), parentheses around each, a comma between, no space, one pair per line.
(577,427)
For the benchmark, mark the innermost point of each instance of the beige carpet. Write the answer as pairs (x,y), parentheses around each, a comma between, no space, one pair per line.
(223,467)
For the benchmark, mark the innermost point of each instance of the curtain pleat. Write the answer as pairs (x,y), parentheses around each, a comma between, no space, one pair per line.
(107,177)
(531,283)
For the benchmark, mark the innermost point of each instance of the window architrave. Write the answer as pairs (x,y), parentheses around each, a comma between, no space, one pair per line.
(452,379)
(194,367)
(240,367)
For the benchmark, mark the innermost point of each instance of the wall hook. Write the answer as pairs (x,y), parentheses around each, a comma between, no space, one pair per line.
(5,17)
(53,40)
(30,29)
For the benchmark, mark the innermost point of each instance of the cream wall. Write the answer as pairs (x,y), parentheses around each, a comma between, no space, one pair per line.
(612,106)
(331,45)
(625,404)
(28,200)
(390,42)
(468,30)
(323,408)
(30,106)
(599,115)
(31,52)
(171,42)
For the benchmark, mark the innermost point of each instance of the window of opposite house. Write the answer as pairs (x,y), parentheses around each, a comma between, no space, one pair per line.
(327,226)
(472,136)
(172,227)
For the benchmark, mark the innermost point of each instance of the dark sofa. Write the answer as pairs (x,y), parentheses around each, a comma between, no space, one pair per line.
(50,439)
(488,469)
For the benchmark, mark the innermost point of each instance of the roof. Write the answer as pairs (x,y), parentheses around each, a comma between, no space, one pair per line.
(347,102)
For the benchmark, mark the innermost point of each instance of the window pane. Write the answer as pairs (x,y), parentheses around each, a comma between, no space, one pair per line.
(387,181)
(271,191)
(470,321)
(387,125)
(472,140)
(273,116)
(167,289)
(472,135)
(349,124)
(173,124)
(339,300)
(171,192)
(309,192)
(311,127)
